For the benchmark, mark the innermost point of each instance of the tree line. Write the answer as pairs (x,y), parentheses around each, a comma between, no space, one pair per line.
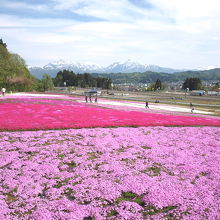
(150,77)
(190,84)
(86,80)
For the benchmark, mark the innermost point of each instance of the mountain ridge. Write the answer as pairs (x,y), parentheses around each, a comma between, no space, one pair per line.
(116,67)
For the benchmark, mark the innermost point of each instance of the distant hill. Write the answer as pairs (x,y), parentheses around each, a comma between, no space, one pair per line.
(148,77)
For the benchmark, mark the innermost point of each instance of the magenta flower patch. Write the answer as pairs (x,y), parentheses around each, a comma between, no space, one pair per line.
(32,114)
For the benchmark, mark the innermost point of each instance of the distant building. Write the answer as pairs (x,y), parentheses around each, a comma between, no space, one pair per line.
(92,92)
(197,92)
(215,92)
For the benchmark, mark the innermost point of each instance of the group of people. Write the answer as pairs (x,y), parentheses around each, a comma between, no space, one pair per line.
(3,90)
(90,98)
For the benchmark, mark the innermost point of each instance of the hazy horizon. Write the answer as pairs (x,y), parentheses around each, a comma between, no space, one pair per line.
(175,34)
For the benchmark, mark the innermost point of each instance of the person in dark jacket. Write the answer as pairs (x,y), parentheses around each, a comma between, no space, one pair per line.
(146,106)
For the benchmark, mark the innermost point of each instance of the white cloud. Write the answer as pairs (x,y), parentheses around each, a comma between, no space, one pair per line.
(175,33)
(191,15)
(189,8)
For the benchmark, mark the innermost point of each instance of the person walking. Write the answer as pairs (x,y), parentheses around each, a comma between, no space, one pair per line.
(90,98)
(3,91)
(146,106)
(191,106)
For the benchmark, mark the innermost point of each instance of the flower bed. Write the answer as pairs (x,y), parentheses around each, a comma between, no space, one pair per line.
(110,173)
(30,113)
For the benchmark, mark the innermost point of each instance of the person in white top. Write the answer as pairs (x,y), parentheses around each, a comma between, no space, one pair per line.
(3,91)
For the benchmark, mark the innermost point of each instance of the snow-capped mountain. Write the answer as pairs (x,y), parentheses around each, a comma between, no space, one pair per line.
(130,66)
(75,67)
(125,67)
(88,67)
(208,68)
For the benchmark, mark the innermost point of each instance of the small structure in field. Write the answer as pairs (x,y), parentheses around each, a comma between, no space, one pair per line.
(213,93)
(197,92)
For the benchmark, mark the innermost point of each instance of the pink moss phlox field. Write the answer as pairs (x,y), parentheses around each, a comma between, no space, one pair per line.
(32,113)
(111,173)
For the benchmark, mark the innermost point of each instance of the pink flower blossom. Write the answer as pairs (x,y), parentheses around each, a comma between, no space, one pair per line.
(106,173)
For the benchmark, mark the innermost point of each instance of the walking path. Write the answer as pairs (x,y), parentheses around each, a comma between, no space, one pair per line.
(152,106)
(163,107)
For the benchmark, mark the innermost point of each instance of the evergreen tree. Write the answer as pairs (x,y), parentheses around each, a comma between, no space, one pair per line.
(81,80)
(158,85)
(2,43)
(192,84)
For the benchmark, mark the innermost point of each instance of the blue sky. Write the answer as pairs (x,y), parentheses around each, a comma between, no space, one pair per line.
(170,33)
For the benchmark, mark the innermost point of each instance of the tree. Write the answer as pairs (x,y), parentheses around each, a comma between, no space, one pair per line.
(2,43)
(216,86)
(46,83)
(192,84)
(158,85)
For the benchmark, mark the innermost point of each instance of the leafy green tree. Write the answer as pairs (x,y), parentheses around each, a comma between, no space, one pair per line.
(46,83)
(192,84)
(216,86)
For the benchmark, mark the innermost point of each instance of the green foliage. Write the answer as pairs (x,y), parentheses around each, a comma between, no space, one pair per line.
(192,84)
(69,78)
(158,85)
(69,193)
(14,74)
(151,77)
(131,197)
(153,171)
(216,86)
(61,156)
(3,44)
(46,83)
(71,164)
(112,213)
(152,210)
(61,183)
(146,148)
